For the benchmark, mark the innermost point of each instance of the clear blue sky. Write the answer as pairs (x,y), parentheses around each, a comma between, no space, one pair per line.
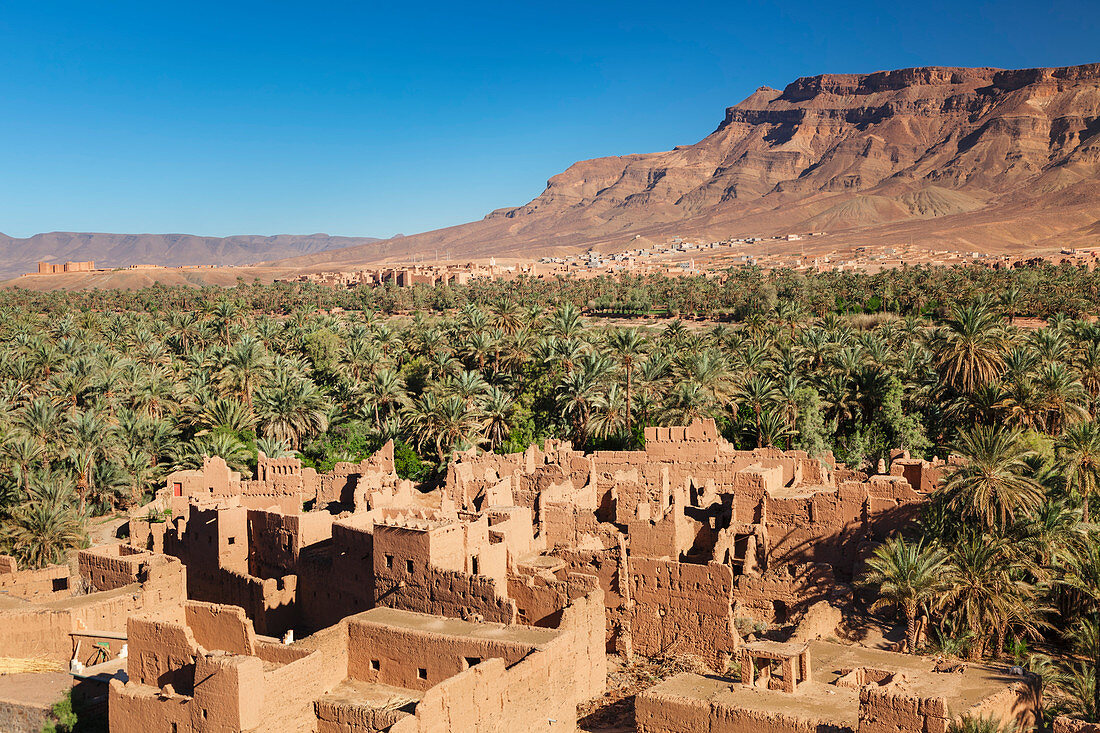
(371,119)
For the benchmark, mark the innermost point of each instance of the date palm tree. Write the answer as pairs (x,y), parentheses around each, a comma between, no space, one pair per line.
(291,408)
(497,409)
(970,351)
(446,423)
(1078,452)
(906,575)
(1083,576)
(992,485)
(43,529)
(245,369)
(628,344)
(978,587)
(386,392)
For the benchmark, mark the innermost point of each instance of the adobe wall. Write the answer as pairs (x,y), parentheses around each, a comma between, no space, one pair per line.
(42,629)
(445,593)
(215,480)
(667,709)
(214,689)
(682,608)
(342,485)
(227,699)
(582,627)
(291,689)
(1019,704)
(1065,724)
(777,595)
(890,709)
(539,693)
(271,603)
(276,540)
(401,654)
(112,566)
(216,626)
(429,571)
(51,581)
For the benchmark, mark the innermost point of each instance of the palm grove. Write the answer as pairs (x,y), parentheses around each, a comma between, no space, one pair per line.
(104,392)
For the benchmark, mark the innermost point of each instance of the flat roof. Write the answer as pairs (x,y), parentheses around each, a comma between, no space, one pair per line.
(535,636)
(823,701)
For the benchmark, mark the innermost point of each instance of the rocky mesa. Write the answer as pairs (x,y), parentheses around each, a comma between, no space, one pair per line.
(998,159)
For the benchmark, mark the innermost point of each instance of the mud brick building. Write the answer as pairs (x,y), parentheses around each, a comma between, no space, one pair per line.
(355,601)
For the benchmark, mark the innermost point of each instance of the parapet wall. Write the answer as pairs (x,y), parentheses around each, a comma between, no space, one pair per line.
(51,581)
(42,629)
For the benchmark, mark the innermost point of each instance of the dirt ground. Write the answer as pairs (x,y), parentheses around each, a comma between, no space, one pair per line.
(614,712)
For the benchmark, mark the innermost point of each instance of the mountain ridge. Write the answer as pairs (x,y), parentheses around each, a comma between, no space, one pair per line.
(21,255)
(983,157)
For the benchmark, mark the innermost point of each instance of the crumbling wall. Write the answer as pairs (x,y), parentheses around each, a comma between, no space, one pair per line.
(271,603)
(447,593)
(891,708)
(537,694)
(780,594)
(215,626)
(230,698)
(1064,724)
(1018,706)
(42,629)
(682,608)
(113,566)
(51,581)
(291,689)
(276,540)
(673,707)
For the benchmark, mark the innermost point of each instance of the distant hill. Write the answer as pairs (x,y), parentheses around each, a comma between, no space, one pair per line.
(1002,160)
(18,256)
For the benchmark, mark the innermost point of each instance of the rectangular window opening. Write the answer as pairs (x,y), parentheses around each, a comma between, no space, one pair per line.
(376,664)
(409,566)
(422,673)
(389,562)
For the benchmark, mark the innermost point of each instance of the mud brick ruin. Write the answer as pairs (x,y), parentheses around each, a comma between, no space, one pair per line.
(354,601)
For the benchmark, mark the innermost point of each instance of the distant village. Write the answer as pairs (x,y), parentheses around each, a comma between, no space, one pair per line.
(679,256)
(684,257)
(50,268)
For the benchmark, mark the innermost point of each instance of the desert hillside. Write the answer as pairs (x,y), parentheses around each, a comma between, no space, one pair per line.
(1000,160)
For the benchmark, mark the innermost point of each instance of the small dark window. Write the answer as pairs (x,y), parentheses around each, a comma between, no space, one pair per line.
(204,713)
(472,661)
(389,562)
(475,567)
(60,584)
(232,540)
(175,728)
(409,566)
(376,664)
(521,612)
(422,673)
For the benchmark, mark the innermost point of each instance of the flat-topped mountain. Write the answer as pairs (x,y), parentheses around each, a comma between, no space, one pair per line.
(121,250)
(945,156)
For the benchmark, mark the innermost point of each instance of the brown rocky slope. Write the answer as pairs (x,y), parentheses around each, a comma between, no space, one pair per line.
(1001,160)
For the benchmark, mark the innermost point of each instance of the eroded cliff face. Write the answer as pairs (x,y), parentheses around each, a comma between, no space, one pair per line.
(915,134)
(977,158)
